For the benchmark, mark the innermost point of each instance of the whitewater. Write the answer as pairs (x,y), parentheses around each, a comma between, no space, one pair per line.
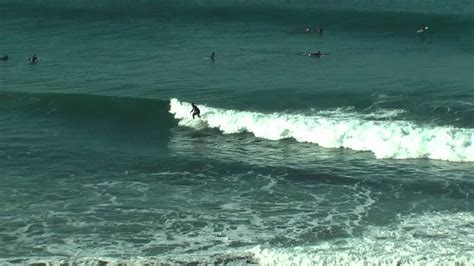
(384,138)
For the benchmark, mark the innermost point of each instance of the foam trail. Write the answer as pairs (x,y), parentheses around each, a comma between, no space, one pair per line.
(386,139)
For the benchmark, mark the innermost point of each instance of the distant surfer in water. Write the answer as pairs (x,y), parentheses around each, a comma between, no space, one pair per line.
(319,30)
(213,56)
(5,58)
(195,111)
(422,29)
(33,59)
(317,54)
(315,30)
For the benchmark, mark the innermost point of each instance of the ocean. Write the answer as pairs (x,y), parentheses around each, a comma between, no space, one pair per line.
(361,156)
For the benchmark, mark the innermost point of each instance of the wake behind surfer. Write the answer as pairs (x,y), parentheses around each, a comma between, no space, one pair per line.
(195,111)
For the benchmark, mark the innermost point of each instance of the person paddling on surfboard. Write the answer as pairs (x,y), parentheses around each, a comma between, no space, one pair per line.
(195,111)
(317,54)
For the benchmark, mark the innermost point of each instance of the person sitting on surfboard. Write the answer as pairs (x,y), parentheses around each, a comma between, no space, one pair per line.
(213,56)
(195,111)
(33,59)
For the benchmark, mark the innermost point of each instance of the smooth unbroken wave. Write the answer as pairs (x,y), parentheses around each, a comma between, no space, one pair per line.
(87,107)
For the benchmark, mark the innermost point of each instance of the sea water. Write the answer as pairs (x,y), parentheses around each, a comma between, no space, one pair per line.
(363,155)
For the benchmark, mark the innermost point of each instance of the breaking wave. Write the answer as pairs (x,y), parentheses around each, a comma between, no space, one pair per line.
(395,139)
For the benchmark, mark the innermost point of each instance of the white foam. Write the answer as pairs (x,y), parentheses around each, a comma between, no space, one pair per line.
(430,239)
(386,139)
(204,259)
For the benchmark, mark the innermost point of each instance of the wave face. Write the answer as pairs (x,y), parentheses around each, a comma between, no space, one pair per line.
(90,108)
(386,139)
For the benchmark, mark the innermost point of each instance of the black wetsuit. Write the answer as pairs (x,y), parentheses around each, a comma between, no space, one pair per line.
(34,59)
(195,111)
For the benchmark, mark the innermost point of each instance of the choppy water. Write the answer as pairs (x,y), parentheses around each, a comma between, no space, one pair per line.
(363,155)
